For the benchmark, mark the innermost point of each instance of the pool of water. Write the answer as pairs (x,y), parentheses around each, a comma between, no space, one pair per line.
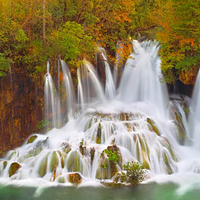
(142,192)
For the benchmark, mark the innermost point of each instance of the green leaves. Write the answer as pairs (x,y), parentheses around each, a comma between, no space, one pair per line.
(112,156)
(71,42)
(4,65)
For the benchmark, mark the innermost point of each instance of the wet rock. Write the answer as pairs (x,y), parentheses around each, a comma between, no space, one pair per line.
(61,179)
(92,152)
(74,178)
(12,154)
(152,126)
(116,149)
(74,163)
(112,184)
(32,139)
(110,158)
(5,164)
(66,147)
(98,138)
(63,156)
(167,144)
(13,168)
(54,161)
(103,170)
(43,167)
(167,163)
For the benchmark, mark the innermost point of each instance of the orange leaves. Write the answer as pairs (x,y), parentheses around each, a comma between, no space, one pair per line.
(185,41)
(188,77)
(122,17)
(123,51)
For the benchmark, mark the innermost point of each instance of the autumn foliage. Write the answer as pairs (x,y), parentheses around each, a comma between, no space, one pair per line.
(75,28)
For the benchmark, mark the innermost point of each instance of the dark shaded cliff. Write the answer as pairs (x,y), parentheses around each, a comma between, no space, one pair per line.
(21,104)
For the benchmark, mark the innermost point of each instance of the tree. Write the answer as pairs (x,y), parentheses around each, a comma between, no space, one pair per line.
(179,35)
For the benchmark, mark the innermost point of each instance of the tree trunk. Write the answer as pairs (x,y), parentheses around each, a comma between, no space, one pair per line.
(44,25)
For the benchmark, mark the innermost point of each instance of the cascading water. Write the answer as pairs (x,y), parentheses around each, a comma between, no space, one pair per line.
(139,124)
(140,79)
(110,90)
(69,87)
(51,100)
(195,114)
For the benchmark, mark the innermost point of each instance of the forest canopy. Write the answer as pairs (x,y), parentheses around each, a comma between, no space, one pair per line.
(33,31)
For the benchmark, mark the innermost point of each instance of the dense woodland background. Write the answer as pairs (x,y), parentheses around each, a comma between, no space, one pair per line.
(33,31)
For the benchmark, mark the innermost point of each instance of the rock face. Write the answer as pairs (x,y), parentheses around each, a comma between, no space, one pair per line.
(21,104)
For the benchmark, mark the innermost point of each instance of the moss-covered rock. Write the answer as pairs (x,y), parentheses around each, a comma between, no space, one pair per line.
(110,158)
(32,139)
(43,167)
(167,164)
(54,161)
(66,147)
(167,144)
(5,164)
(13,168)
(61,179)
(152,126)
(103,170)
(74,162)
(116,149)
(92,152)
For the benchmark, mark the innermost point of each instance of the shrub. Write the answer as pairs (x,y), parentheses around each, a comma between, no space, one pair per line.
(135,173)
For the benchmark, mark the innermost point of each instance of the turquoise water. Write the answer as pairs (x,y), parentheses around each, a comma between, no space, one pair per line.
(141,192)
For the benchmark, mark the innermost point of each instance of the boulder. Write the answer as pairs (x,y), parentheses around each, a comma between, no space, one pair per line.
(74,178)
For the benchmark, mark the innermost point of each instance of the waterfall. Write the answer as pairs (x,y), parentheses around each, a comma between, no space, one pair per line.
(135,122)
(140,79)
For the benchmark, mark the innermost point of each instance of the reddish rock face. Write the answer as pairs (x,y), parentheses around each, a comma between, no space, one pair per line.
(21,104)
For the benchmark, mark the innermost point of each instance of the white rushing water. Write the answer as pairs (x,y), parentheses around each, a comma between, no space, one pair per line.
(137,121)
